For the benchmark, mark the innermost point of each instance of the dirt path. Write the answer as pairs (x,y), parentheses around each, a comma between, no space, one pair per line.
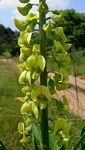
(80,82)
(70,93)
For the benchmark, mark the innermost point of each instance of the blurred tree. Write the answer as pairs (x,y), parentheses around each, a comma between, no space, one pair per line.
(74,27)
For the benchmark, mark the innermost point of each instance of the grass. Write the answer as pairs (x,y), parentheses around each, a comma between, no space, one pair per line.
(79,67)
(10,109)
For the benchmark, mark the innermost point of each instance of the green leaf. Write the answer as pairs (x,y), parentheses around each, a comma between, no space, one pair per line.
(21,127)
(41,92)
(28,129)
(67,46)
(52,142)
(48,27)
(24,38)
(25,10)
(24,1)
(2,146)
(32,16)
(37,137)
(51,86)
(21,25)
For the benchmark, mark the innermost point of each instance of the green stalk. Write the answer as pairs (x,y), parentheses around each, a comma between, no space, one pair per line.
(43,79)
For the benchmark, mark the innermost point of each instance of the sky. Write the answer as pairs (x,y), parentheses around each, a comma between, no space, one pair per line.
(8,9)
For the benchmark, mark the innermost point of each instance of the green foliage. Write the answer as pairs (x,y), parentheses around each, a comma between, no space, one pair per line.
(2,146)
(73,24)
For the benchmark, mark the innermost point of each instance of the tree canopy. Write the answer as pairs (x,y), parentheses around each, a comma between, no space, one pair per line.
(74,27)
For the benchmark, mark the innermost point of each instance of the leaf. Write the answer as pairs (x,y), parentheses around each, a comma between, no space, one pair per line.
(21,127)
(28,129)
(2,146)
(51,86)
(83,140)
(21,25)
(22,77)
(52,142)
(25,10)
(41,62)
(67,46)
(39,92)
(24,38)
(37,137)
(32,16)
(48,27)
(24,1)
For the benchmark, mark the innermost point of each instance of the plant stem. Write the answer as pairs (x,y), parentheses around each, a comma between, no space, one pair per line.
(43,79)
